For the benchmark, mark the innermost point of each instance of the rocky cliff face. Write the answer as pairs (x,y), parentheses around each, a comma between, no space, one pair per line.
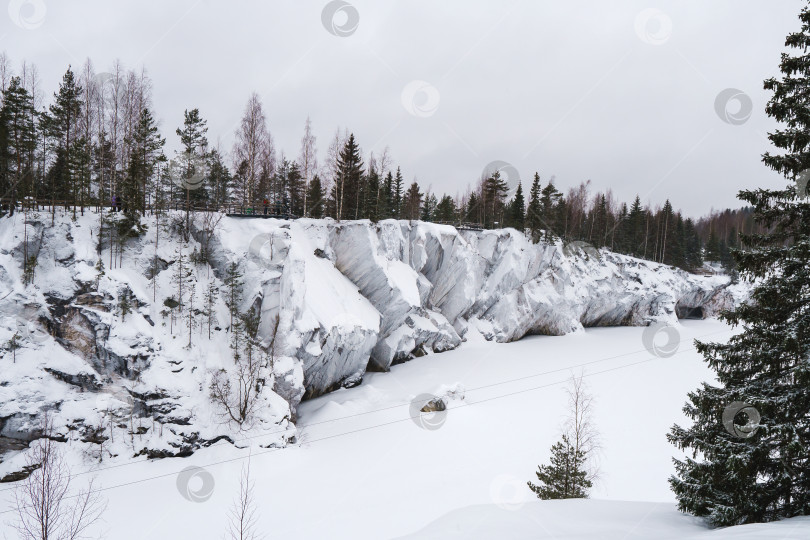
(333,300)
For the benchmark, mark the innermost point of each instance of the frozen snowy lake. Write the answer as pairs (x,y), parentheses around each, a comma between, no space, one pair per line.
(365,470)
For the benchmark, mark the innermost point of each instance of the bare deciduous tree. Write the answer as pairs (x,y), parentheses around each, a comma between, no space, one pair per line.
(46,510)
(237,392)
(579,426)
(252,150)
(243,517)
(308,160)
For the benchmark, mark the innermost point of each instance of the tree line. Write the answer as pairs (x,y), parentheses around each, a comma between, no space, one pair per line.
(98,142)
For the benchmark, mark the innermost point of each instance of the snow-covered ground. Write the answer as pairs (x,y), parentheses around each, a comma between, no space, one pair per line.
(364,468)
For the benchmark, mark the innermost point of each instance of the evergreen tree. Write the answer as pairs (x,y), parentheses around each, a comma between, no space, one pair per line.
(373,194)
(345,192)
(219,179)
(146,150)
(193,176)
(412,202)
(60,125)
(761,472)
(233,291)
(534,220)
(494,195)
(396,195)
(517,210)
(429,207)
(315,198)
(446,210)
(635,228)
(17,142)
(549,216)
(566,477)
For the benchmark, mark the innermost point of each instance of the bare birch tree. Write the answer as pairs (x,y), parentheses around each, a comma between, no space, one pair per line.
(251,150)
(45,507)
(308,160)
(243,517)
(579,426)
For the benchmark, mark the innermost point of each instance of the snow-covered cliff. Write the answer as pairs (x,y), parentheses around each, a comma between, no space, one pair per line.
(335,300)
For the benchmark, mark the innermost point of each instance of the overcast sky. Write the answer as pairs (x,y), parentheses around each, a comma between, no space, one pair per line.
(621,93)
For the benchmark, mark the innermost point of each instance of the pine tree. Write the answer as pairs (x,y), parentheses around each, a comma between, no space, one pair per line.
(146,145)
(566,477)
(17,142)
(194,154)
(494,195)
(761,473)
(61,127)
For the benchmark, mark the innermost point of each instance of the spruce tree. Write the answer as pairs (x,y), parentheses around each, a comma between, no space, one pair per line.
(396,195)
(517,210)
(566,477)
(412,202)
(429,207)
(315,198)
(635,228)
(345,192)
(233,291)
(534,220)
(386,200)
(549,216)
(761,472)
(446,210)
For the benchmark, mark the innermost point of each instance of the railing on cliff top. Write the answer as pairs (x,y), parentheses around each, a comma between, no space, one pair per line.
(255,210)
